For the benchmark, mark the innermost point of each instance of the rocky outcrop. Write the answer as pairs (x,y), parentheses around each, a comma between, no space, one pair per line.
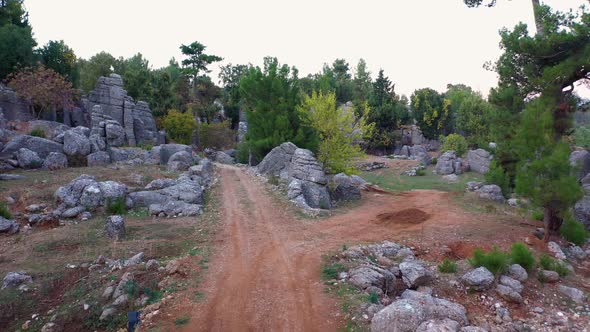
(449,163)
(277,161)
(491,192)
(115,228)
(86,194)
(14,108)
(28,159)
(51,129)
(76,143)
(42,146)
(580,159)
(345,188)
(55,161)
(416,152)
(479,160)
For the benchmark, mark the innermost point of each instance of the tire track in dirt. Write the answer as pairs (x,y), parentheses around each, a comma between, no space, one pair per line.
(265,274)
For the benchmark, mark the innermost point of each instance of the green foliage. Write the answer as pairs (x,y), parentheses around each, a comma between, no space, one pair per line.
(13,12)
(420,172)
(4,212)
(131,288)
(196,60)
(179,126)
(243,153)
(434,161)
(270,97)
(330,272)
(456,143)
(495,261)
(582,136)
(431,112)
(16,49)
(447,266)
(497,176)
(181,320)
(95,67)
(537,215)
(218,136)
(339,130)
(574,232)
(472,113)
(136,75)
(62,59)
(373,298)
(551,264)
(117,206)
(38,132)
(521,254)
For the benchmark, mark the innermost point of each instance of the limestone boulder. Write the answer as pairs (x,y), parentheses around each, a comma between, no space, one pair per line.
(55,161)
(41,146)
(76,143)
(479,160)
(277,162)
(28,159)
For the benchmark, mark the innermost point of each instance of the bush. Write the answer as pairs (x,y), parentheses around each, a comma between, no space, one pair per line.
(497,176)
(574,231)
(537,215)
(496,261)
(331,272)
(243,153)
(373,298)
(456,143)
(218,136)
(582,136)
(434,161)
(551,264)
(4,212)
(179,126)
(117,206)
(520,254)
(38,132)
(447,266)
(420,172)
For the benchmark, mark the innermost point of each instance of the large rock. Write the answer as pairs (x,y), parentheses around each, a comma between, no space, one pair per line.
(491,192)
(127,154)
(414,309)
(112,191)
(223,158)
(167,150)
(43,147)
(147,198)
(448,163)
(479,160)
(86,192)
(76,144)
(115,133)
(573,294)
(99,158)
(15,279)
(305,167)
(414,274)
(479,279)
(8,226)
(115,227)
(345,188)
(580,159)
(180,161)
(582,211)
(174,208)
(277,162)
(28,159)
(518,272)
(144,124)
(55,161)
(50,128)
(371,276)
(438,325)
(309,195)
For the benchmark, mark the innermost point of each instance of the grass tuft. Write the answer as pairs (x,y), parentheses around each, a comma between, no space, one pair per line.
(551,264)
(495,261)
(4,212)
(447,266)
(521,254)
(574,232)
(117,207)
(330,272)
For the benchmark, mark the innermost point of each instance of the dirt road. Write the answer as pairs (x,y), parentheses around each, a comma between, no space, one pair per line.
(265,275)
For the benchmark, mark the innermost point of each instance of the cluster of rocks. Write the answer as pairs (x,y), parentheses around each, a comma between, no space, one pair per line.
(8,226)
(110,119)
(412,136)
(416,152)
(491,191)
(415,171)
(306,180)
(371,166)
(449,163)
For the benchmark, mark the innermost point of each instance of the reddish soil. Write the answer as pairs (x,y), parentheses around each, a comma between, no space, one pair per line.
(265,274)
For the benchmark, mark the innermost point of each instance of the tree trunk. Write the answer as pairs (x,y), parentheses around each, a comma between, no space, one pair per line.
(551,221)
(538,18)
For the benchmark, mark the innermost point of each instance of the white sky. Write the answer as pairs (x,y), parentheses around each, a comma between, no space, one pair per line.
(419,43)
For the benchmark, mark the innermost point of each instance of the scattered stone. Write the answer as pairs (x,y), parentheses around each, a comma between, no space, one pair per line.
(49,327)
(479,279)
(414,274)
(509,294)
(512,283)
(121,301)
(135,260)
(365,277)
(152,265)
(108,292)
(28,159)
(555,249)
(115,227)
(491,192)
(518,272)
(107,313)
(574,294)
(15,279)
(8,226)
(549,276)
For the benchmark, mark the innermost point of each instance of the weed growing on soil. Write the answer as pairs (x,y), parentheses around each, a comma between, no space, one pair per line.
(537,215)
(38,132)
(551,264)
(447,266)
(330,272)
(496,261)
(373,298)
(4,213)
(520,254)
(181,320)
(117,206)
(574,231)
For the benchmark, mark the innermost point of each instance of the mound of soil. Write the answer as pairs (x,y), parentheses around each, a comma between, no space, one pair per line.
(403,217)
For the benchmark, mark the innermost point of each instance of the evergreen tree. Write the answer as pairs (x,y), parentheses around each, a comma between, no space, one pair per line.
(197,61)
(58,56)
(431,112)
(270,96)
(16,38)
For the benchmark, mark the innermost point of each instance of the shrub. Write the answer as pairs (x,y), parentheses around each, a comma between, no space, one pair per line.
(456,143)
(582,136)
(447,266)
(420,172)
(551,264)
(4,212)
(497,176)
(434,161)
(496,261)
(38,132)
(537,215)
(243,153)
(218,136)
(117,206)
(373,298)
(330,272)
(574,231)
(179,126)
(520,254)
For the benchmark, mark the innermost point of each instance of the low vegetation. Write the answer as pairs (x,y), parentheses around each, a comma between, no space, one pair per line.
(38,132)
(116,206)
(552,264)
(522,255)
(4,212)
(495,261)
(574,232)
(454,142)
(447,266)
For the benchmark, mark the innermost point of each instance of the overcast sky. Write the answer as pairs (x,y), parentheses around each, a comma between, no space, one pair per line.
(419,43)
